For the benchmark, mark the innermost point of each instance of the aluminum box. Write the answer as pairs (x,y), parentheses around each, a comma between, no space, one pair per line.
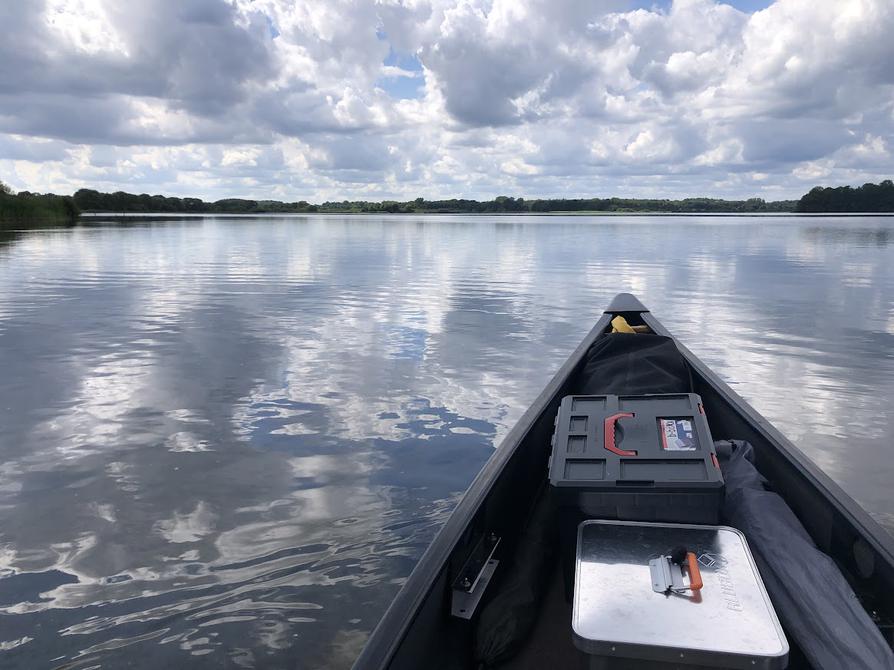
(618,615)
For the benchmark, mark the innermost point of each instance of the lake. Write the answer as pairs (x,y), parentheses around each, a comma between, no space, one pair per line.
(226,442)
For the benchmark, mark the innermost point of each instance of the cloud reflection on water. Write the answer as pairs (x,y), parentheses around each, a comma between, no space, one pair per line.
(227,442)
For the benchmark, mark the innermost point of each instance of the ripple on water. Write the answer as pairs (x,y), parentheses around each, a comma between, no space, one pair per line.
(226,443)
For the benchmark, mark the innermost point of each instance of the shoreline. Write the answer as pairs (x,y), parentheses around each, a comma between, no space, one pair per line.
(595,213)
(14,224)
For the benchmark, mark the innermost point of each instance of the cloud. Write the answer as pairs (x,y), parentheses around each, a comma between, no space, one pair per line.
(445,97)
(392,71)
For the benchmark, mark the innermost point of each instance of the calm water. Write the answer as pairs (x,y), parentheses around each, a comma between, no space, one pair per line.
(226,442)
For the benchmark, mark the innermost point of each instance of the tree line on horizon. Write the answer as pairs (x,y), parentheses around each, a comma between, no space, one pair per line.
(94,201)
(40,207)
(35,207)
(865,198)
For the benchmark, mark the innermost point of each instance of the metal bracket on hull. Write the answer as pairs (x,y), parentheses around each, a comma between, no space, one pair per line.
(473,578)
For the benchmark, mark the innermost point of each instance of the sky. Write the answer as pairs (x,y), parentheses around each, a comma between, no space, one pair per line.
(397,99)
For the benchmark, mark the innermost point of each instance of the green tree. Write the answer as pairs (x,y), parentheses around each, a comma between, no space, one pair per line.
(865,198)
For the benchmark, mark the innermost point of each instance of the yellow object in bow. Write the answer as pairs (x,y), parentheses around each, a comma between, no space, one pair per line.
(620,325)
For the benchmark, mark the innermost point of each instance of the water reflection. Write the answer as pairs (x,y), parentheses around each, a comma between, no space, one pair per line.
(226,443)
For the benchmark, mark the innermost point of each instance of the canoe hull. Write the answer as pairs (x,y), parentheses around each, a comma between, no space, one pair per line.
(418,624)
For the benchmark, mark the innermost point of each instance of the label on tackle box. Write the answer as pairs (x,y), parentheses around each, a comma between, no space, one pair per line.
(677,434)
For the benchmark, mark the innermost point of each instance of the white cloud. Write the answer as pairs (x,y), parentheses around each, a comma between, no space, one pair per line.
(84,25)
(295,100)
(394,71)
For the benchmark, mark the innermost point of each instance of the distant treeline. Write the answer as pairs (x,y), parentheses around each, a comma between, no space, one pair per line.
(49,207)
(94,201)
(89,200)
(35,207)
(508,204)
(865,198)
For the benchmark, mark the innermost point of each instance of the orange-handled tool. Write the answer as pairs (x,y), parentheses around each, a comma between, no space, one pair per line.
(695,575)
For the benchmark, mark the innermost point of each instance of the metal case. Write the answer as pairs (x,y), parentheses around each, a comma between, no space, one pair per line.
(618,614)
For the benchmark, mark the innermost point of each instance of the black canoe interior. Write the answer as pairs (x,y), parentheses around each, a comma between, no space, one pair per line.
(418,631)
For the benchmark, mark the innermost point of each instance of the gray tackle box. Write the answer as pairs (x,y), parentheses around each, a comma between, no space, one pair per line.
(633,607)
(636,458)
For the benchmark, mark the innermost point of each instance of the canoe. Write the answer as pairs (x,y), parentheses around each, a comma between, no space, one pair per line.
(420,629)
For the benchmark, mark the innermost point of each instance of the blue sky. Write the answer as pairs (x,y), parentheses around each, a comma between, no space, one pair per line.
(403,87)
(334,99)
